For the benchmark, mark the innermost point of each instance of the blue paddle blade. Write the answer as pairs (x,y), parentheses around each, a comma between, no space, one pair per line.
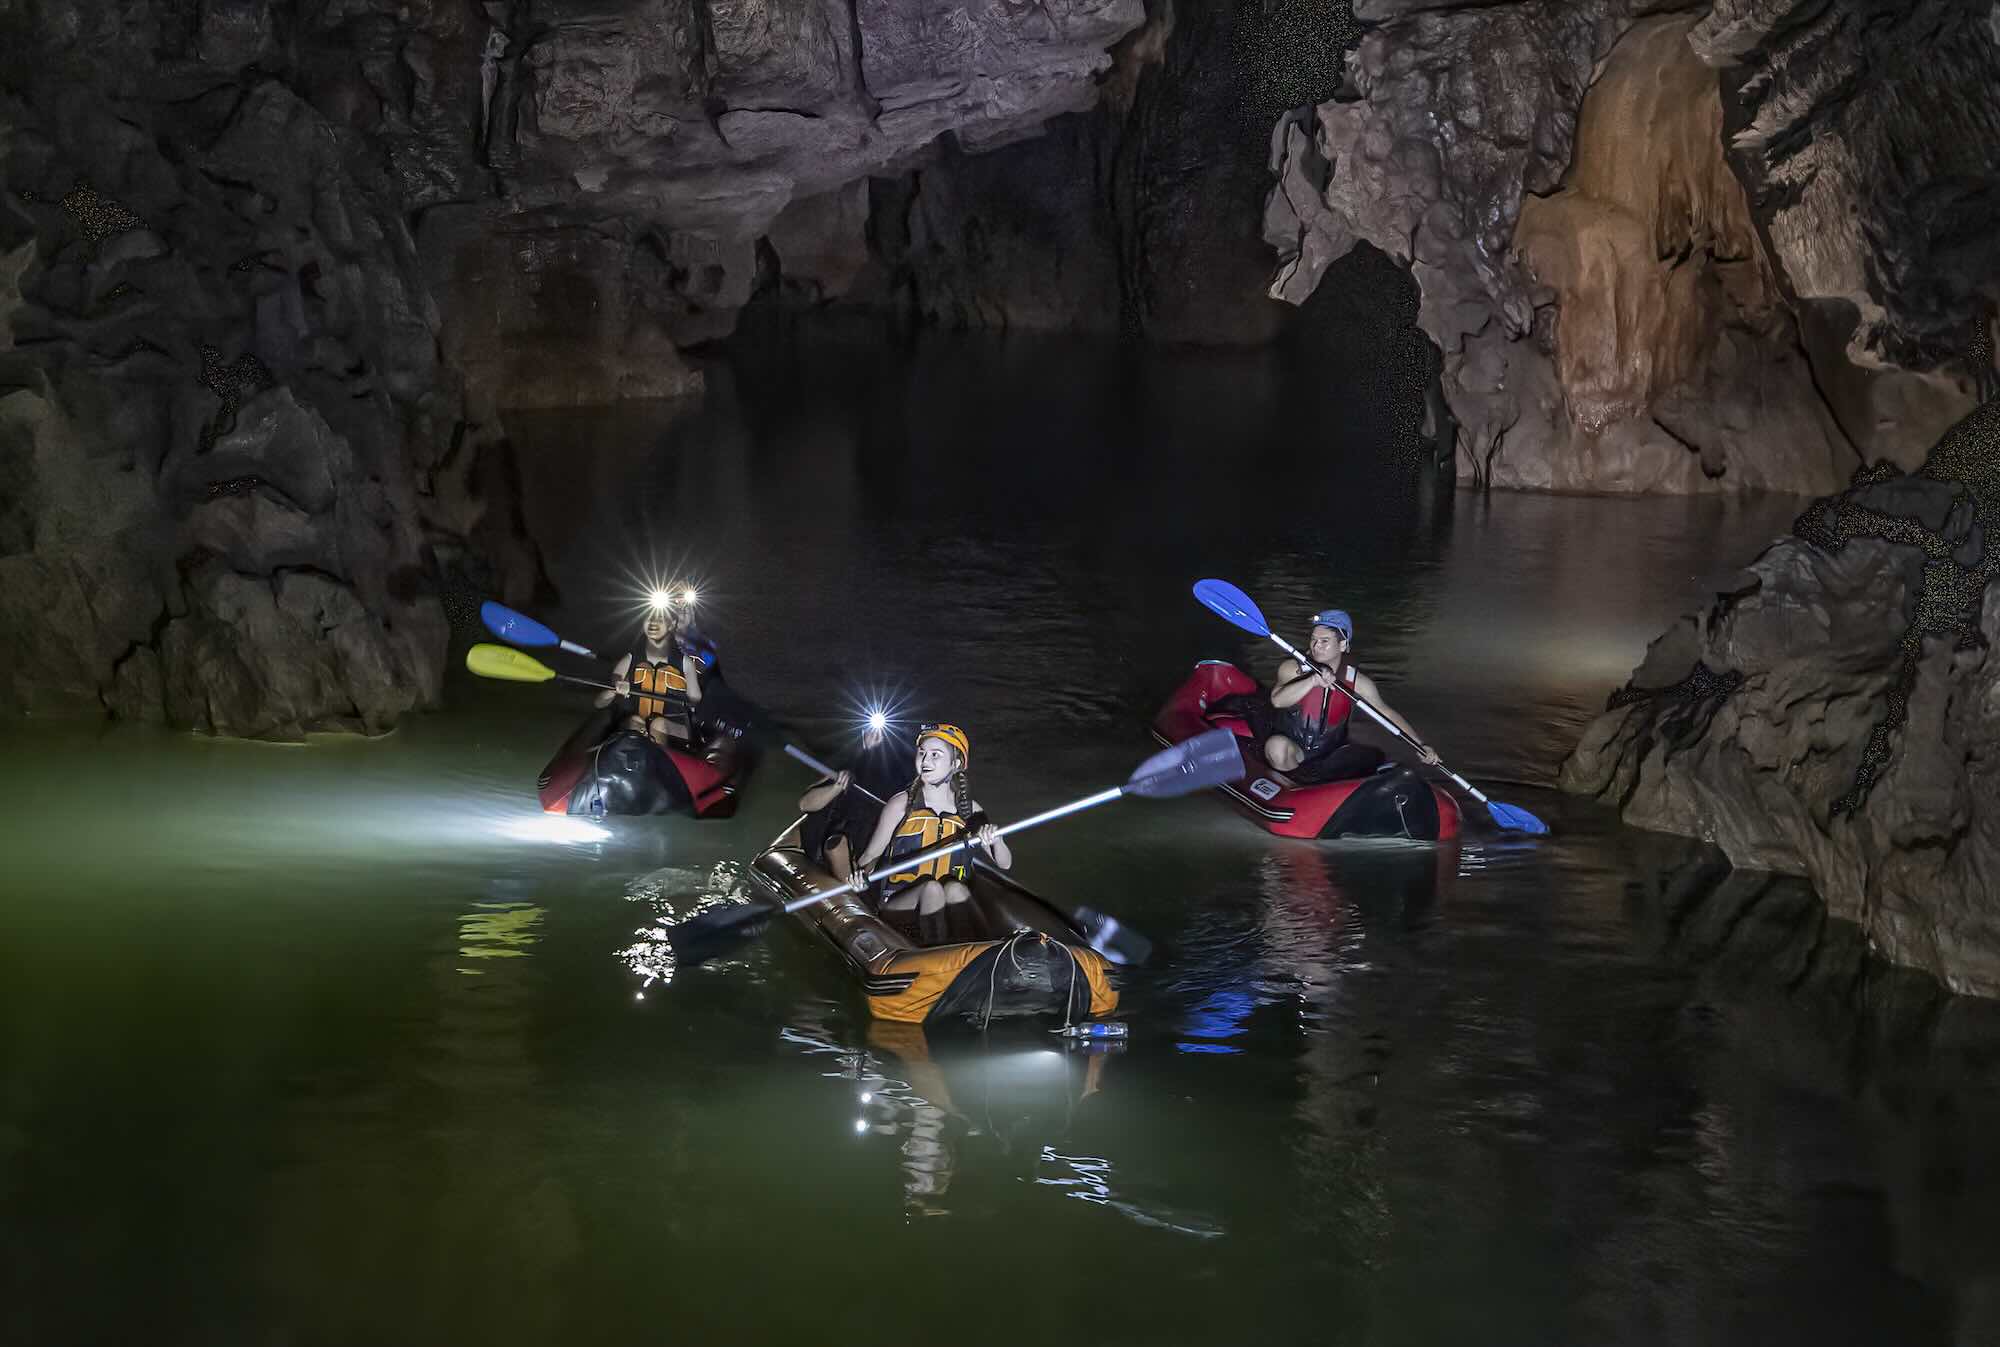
(517,628)
(1514,818)
(1232,605)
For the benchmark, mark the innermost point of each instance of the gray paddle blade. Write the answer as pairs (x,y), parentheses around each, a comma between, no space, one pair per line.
(1208,759)
(1112,938)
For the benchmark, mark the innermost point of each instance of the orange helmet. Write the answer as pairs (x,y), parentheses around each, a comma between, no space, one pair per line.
(950,734)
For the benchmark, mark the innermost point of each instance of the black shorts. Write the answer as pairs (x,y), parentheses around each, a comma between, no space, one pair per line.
(1331,760)
(1340,763)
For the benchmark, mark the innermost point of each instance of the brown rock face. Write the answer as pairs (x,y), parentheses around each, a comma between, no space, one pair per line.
(1837,715)
(1601,285)
(1869,137)
(1650,243)
(1669,338)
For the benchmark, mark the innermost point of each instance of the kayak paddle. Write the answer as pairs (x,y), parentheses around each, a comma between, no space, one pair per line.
(503,662)
(520,629)
(1107,935)
(1208,759)
(1235,607)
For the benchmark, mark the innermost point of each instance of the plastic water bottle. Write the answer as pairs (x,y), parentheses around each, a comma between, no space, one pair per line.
(1108,1030)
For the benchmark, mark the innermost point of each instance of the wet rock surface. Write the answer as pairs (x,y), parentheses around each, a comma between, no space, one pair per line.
(273,270)
(1837,715)
(1615,310)
(239,478)
(1140,216)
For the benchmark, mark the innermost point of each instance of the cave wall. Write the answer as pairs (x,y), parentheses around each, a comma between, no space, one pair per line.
(236,473)
(1553,175)
(271,269)
(1836,713)
(1868,138)
(1139,216)
(663,155)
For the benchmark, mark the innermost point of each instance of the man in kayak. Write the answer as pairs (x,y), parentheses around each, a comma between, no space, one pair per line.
(662,679)
(929,900)
(840,816)
(1306,728)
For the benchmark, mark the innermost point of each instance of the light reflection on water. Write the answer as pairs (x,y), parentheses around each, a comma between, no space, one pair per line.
(1509,1091)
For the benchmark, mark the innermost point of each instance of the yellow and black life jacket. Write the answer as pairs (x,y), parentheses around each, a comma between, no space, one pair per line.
(660,689)
(920,830)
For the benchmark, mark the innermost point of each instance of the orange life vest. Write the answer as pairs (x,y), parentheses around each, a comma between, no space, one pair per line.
(920,830)
(661,690)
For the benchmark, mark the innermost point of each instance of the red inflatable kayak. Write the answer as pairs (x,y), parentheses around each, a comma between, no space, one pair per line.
(1393,801)
(606,769)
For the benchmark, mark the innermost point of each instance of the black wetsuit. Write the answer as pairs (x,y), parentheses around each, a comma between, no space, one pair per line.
(883,770)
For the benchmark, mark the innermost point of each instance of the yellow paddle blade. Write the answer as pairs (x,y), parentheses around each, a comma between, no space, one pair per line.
(499,661)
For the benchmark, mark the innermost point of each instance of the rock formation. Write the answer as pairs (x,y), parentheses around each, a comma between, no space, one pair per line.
(236,472)
(1140,216)
(644,150)
(1837,714)
(1616,312)
(269,271)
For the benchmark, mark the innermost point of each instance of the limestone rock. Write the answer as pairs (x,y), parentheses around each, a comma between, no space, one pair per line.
(1837,713)
(1555,177)
(1869,139)
(240,471)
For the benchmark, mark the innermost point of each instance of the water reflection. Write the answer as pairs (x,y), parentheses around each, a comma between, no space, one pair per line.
(426,1179)
(674,894)
(497,930)
(1568,1092)
(969,1111)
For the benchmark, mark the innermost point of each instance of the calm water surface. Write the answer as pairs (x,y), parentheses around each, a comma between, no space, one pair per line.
(343,1044)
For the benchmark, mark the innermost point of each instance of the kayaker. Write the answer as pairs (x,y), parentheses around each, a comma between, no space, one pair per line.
(1307,730)
(840,816)
(663,680)
(929,901)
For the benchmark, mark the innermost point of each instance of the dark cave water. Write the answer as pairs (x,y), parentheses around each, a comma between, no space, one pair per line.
(346,1044)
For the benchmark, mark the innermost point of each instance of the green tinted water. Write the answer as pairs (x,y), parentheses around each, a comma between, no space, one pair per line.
(346,1043)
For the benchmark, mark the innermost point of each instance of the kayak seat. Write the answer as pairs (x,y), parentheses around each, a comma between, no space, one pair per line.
(1236,725)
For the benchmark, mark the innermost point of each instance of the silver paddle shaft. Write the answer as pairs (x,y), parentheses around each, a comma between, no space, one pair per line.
(1354,694)
(911,862)
(800,755)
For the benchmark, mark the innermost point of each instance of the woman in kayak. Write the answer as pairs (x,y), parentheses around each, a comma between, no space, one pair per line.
(1312,709)
(662,678)
(930,899)
(840,814)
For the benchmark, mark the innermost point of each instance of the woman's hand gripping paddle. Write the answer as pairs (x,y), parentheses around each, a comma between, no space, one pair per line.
(1206,760)
(1107,935)
(1235,607)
